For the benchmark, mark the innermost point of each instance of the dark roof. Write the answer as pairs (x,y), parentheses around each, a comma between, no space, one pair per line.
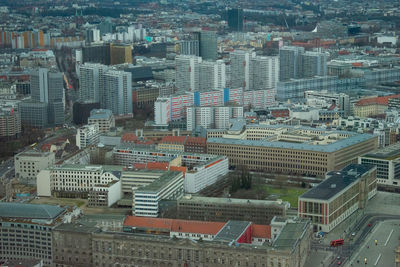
(231,231)
(29,211)
(337,181)
(140,73)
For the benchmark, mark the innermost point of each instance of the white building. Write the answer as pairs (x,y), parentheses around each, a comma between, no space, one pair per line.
(117,94)
(75,179)
(240,69)
(264,72)
(187,72)
(105,195)
(212,75)
(341,100)
(87,135)
(206,174)
(28,164)
(162,108)
(90,84)
(211,117)
(146,199)
(103,117)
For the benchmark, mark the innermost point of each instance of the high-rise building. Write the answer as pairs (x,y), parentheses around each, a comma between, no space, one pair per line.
(120,54)
(264,72)
(314,64)
(48,87)
(10,123)
(34,114)
(89,82)
(92,36)
(117,93)
(208,45)
(240,69)
(96,54)
(187,73)
(235,19)
(190,47)
(81,111)
(290,58)
(212,75)
(211,117)
(162,108)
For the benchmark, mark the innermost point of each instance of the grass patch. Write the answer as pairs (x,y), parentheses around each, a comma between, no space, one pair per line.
(288,194)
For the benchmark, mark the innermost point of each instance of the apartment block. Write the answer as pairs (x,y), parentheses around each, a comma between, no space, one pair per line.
(104,118)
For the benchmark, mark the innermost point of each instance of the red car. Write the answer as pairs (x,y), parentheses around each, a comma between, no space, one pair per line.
(369,225)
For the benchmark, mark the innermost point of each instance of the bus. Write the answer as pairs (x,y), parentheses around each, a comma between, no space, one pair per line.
(337,242)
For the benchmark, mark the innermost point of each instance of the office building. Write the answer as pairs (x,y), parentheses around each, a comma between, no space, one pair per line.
(81,111)
(190,47)
(338,196)
(87,135)
(288,149)
(104,118)
(90,85)
(105,195)
(387,162)
(235,19)
(208,45)
(28,164)
(200,170)
(96,54)
(46,87)
(146,199)
(225,209)
(74,180)
(92,36)
(187,73)
(120,54)
(117,93)
(290,58)
(10,123)
(27,231)
(34,114)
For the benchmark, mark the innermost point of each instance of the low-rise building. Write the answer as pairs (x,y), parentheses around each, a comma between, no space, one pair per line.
(146,199)
(103,117)
(105,195)
(28,164)
(224,209)
(387,162)
(338,196)
(372,106)
(87,135)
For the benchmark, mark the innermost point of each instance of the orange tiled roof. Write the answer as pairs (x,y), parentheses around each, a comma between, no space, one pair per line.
(382,100)
(157,166)
(261,231)
(195,140)
(185,226)
(129,137)
(201,227)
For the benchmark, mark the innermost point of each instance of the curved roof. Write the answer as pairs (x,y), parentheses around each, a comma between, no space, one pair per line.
(30,211)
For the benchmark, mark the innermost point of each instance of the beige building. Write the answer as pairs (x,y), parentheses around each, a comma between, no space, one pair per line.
(336,198)
(120,54)
(28,164)
(72,248)
(291,150)
(10,124)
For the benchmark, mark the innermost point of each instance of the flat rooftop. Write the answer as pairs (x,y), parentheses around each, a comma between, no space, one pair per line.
(159,183)
(230,201)
(29,211)
(291,234)
(33,153)
(232,231)
(337,181)
(331,147)
(388,153)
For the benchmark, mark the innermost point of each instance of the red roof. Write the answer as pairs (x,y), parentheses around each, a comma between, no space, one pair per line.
(173,139)
(195,140)
(174,225)
(382,100)
(129,138)
(261,231)
(157,166)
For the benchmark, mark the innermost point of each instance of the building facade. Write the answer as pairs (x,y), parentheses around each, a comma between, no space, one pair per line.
(342,193)
(104,118)
(28,164)
(87,135)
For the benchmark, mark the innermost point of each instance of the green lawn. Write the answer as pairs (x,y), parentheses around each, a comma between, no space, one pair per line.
(289,194)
